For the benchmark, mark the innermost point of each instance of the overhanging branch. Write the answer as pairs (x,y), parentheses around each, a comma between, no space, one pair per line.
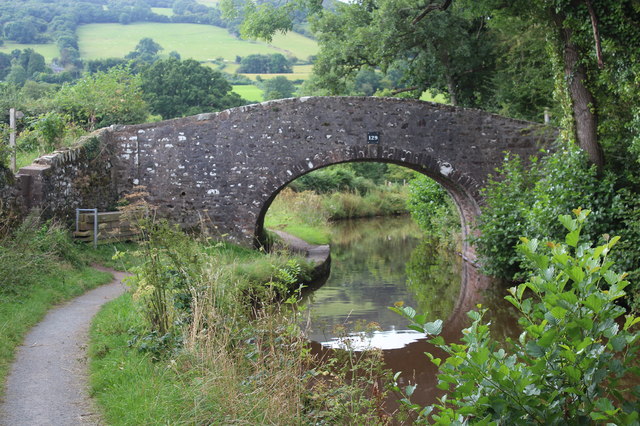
(430,8)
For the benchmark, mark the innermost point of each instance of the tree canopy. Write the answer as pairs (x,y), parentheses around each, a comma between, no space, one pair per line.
(265,64)
(278,88)
(177,88)
(104,98)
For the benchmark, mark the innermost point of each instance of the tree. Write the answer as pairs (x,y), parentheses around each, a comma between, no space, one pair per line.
(21,31)
(95,65)
(278,88)
(5,65)
(264,64)
(148,46)
(34,62)
(17,75)
(104,98)
(176,88)
(146,51)
(452,53)
(561,20)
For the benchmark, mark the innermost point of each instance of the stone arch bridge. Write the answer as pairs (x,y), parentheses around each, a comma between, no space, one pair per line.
(224,169)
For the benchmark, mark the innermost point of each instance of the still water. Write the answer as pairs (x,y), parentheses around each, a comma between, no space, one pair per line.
(378,262)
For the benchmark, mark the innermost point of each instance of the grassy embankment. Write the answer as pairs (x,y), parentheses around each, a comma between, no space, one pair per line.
(305,214)
(220,360)
(39,268)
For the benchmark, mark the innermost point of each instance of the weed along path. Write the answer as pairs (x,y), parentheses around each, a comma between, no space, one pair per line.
(47,384)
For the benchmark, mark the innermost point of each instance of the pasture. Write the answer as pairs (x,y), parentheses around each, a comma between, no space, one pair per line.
(249,92)
(166,11)
(48,50)
(199,42)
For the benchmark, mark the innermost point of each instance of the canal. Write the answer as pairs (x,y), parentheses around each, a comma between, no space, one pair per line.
(379,262)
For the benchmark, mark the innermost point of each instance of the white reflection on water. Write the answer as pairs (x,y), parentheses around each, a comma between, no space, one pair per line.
(391,339)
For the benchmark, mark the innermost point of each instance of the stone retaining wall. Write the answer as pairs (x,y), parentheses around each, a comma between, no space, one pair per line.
(70,178)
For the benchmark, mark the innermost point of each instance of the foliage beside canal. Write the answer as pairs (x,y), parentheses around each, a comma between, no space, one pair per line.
(576,360)
(527,201)
(305,214)
(210,335)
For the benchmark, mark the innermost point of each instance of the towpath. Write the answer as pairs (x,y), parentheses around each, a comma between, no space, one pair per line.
(48,383)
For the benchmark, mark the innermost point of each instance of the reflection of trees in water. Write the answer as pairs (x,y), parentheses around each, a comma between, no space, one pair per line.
(433,276)
(381,246)
(344,233)
(378,262)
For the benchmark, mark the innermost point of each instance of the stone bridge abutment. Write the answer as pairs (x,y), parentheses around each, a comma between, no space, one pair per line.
(223,170)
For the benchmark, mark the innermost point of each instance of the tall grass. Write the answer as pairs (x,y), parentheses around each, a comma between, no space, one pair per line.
(233,354)
(305,214)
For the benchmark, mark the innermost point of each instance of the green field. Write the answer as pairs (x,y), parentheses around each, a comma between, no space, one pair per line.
(300,72)
(438,98)
(208,2)
(249,92)
(166,11)
(200,42)
(49,50)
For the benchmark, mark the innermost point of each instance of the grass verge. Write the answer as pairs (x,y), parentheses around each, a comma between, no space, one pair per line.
(133,388)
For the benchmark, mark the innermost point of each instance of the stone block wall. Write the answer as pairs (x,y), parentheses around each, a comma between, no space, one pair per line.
(70,178)
(12,207)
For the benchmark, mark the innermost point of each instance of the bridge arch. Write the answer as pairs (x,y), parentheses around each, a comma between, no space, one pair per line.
(462,188)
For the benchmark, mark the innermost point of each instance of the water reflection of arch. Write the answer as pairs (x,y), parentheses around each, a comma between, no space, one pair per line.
(412,359)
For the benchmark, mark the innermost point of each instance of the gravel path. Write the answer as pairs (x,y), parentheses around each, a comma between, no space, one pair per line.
(47,384)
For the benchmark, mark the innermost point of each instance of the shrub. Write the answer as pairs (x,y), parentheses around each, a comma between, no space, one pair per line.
(526,202)
(31,249)
(332,179)
(574,362)
(50,128)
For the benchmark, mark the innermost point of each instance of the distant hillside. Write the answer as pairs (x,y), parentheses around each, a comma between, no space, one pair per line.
(200,42)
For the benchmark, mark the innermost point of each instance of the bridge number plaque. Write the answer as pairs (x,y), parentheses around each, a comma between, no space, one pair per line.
(373,138)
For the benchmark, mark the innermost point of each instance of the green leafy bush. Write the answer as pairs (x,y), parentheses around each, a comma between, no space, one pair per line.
(103,98)
(332,179)
(526,201)
(50,127)
(576,360)
(31,249)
